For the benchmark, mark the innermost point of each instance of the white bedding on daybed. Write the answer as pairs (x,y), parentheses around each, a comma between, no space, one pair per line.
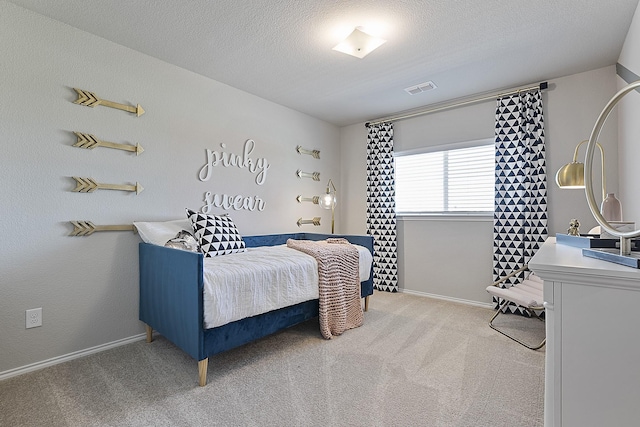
(262,279)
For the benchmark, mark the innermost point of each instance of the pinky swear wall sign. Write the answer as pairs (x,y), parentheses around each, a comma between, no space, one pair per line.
(244,160)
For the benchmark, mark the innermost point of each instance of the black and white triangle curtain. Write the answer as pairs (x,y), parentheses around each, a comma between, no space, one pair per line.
(381,206)
(520,215)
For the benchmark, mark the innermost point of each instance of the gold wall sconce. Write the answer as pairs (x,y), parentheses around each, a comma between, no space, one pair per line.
(329,200)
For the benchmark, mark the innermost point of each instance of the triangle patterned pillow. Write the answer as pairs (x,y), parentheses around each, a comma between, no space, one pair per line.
(216,235)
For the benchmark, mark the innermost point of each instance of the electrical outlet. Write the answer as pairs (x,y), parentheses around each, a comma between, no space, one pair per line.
(34,318)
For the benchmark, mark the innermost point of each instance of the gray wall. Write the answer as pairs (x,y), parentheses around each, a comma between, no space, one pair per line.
(449,257)
(629,128)
(452,258)
(88,287)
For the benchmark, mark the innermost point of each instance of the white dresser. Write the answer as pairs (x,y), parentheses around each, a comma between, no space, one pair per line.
(592,368)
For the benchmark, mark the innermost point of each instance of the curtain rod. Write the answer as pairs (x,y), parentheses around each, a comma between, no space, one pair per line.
(458,103)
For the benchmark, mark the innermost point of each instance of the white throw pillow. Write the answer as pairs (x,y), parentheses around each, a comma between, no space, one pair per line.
(159,233)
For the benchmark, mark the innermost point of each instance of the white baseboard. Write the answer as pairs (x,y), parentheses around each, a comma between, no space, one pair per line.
(65,358)
(445,298)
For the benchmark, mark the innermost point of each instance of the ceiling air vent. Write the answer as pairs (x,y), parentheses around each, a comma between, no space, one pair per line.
(422,87)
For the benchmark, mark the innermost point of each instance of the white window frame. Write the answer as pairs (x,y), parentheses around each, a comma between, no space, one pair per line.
(460,215)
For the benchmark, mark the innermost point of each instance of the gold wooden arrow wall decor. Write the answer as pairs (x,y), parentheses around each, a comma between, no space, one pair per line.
(314,199)
(314,153)
(87,228)
(86,140)
(313,175)
(89,185)
(90,99)
(315,221)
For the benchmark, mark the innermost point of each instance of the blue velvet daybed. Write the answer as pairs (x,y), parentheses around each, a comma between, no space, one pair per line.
(171,300)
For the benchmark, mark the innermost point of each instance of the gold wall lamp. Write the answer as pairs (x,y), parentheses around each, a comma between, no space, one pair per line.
(329,200)
(90,99)
(571,176)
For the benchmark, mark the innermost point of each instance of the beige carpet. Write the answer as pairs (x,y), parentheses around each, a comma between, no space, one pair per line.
(415,362)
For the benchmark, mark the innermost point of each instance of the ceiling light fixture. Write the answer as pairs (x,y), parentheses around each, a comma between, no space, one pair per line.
(359,44)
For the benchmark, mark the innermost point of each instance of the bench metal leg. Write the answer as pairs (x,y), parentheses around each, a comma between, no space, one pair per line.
(533,314)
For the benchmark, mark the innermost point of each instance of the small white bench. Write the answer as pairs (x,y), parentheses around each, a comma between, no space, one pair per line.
(527,294)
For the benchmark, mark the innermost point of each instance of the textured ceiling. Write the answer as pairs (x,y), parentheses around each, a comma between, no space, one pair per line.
(281,49)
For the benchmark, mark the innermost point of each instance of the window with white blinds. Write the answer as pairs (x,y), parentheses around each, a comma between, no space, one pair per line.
(459,181)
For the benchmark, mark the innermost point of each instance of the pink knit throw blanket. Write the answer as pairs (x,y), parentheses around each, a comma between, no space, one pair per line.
(338,283)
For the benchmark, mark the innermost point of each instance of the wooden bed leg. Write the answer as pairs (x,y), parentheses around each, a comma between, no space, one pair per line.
(149,333)
(366,303)
(202,371)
